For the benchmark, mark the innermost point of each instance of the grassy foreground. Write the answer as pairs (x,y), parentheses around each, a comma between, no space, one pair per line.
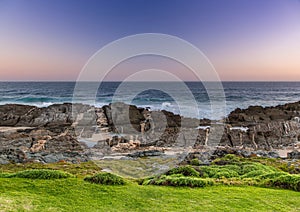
(227,186)
(74,194)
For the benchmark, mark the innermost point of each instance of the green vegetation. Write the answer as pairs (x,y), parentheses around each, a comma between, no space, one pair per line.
(105,179)
(195,162)
(286,166)
(179,180)
(229,184)
(184,170)
(138,167)
(286,181)
(79,170)
(229,170)
(75,194)
(38,174)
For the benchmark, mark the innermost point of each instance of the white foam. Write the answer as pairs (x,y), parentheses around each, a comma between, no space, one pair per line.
(166,104)
(243,129)
(202,127)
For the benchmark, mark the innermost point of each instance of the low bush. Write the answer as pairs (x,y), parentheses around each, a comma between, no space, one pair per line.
(227,159)
(209,171)
(255,173)
(45,174)
(195,162)
(227,171)
(4,175)
(287,181)
(272,175)
(176,180)
(105,179)
(184,170)
(250,167)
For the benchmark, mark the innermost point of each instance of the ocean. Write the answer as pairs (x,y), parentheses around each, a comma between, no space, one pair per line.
(237,95)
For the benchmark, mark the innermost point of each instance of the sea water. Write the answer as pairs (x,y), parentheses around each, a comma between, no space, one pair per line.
(237,95)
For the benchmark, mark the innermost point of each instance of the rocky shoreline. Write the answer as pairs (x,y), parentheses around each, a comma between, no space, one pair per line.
(76,133)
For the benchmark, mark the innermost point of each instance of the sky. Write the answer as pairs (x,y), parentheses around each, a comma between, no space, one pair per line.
(245,40)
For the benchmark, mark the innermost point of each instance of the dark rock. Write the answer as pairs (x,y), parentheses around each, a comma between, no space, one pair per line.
(293,155)
(147,153)
(262,129)
(119,114)
(12,155)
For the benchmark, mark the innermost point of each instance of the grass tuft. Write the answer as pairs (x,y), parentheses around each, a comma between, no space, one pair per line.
(44,174)
(105,179)
(187,171)
(179,180)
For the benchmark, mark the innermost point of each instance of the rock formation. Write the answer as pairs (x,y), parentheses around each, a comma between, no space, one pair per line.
(50,134)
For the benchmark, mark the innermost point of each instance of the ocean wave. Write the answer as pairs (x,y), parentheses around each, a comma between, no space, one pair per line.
(238,94)
(36,99)
(166,105)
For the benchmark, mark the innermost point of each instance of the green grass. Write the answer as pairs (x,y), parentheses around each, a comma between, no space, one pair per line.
(45,174)
(74,194)
(223,186)
(80,170)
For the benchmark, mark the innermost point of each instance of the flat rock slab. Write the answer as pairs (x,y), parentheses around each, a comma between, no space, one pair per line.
(13,129)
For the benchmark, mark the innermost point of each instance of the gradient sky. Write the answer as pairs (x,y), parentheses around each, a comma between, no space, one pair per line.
(245,40)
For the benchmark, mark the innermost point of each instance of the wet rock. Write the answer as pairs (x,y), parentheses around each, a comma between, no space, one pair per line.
(147,153)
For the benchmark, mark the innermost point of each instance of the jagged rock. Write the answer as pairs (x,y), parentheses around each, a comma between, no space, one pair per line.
(123,118)
(147,153)
(11,114)
(8,155)
(204,157)
(293,155)
(258,114)
(31,116)
(259,130)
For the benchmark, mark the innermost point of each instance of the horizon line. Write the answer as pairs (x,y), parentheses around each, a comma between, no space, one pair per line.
(1,81)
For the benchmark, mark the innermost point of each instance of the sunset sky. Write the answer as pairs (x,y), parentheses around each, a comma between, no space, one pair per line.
(245,40)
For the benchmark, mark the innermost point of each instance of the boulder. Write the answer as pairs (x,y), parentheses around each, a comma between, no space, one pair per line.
(293,155)
(147,153)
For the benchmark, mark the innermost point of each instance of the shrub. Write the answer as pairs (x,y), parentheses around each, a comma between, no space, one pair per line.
(209,171)
(235,168)
(45,174)
(195,162)
(227,171)
(272,175)
(175,180)
(184,170)
(105,179)
(255,173)
(227,159)
(4,175)
(246,168)
(231,157)
(287,181)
